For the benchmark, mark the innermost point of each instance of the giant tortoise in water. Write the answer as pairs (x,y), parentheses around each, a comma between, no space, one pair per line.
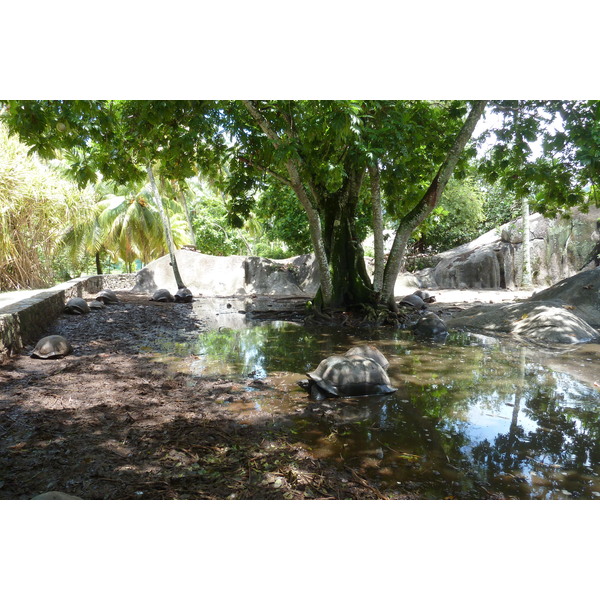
(52,346)
(359,372)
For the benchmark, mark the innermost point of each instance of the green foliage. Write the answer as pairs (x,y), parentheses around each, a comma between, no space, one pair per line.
(410,140)
(124,227)
(283,219)
(469,208)
(500,206)
(119,138)
(213,233)
(565,172)
(35,203)
(332,143)
(456,220)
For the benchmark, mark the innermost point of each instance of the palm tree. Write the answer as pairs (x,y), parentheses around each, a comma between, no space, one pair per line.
(126,226)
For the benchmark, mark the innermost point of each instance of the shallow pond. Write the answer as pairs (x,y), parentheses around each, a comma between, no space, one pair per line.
(472,417)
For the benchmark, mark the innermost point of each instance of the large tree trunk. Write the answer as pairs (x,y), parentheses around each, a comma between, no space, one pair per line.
(339,256)
(429,201)
(377,228)
(350,281)
(166,226)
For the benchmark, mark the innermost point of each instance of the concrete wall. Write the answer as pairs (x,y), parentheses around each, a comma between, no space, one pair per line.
(207,275)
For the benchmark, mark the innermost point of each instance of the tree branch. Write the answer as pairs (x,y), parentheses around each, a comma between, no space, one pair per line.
(429,201)
(265,170)
(314,220)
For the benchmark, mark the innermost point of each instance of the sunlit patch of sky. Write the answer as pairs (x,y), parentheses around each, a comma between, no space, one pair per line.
(491,120)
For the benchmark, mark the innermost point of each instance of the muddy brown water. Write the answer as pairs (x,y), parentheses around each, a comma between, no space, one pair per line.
(482,415)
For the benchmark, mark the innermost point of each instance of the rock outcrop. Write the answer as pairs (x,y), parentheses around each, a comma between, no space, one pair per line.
(560,248)
(565,313)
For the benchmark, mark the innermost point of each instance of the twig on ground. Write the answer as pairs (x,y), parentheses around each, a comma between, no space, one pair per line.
(360,480)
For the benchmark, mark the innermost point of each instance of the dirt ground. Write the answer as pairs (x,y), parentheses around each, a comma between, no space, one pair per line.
(114,421)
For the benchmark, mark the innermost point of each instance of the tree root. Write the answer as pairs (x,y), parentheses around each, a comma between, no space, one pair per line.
(363,315)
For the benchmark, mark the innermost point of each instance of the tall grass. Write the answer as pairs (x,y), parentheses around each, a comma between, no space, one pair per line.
(36,206)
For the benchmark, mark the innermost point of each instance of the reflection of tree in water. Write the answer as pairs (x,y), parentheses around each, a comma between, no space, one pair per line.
(565,440)
(259,350)
(546,437)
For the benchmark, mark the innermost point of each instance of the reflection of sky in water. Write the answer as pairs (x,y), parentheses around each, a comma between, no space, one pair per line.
(485,424)
(574,393)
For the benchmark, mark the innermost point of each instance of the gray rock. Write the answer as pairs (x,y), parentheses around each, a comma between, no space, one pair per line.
(474,269)
(580,293)
(232,275)
(543,322)
(560,248)
(512,232)
(553,325)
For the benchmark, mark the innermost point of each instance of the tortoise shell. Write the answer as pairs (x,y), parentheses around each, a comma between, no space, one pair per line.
(162,295)
(414,301)
(425,296)
(369,351)
(430,326)
(107,296)
(97,305)
(52,346)
(183,295)
(353,374)
(77,306)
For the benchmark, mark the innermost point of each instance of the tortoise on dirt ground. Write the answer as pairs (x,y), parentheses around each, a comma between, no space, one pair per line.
(52,346)
(77,306)
(425,296)
(107,296)
(413,301)
(162,295)
(96,305)
(183,295)
(359,372)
